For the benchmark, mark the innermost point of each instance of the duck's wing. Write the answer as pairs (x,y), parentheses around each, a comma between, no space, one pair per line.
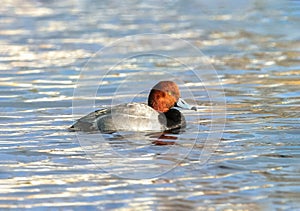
(130,117)
(88,123)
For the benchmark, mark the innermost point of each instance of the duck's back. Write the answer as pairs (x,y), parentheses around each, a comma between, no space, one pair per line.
(126,117)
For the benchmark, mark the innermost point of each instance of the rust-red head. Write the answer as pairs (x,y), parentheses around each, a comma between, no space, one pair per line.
(166,95)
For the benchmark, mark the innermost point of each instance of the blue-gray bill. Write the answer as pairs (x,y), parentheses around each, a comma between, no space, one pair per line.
(182,104)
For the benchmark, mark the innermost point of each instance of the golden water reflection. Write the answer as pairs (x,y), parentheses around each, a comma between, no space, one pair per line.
(44,47)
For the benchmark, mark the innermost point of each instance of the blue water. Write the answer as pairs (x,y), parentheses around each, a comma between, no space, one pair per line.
(51,73)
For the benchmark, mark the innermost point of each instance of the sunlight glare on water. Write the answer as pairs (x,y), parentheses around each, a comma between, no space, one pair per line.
(254,46)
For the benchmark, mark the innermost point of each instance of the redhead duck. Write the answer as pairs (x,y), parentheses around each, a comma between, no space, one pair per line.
(158,115)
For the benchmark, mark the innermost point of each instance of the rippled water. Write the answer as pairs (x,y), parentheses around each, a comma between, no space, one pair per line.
(254,46)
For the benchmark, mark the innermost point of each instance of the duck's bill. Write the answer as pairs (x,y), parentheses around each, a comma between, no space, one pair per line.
(182,104)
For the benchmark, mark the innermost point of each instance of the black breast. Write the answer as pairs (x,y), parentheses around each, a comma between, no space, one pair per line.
(174,118)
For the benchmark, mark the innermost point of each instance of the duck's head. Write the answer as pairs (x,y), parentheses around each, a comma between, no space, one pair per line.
(166,95)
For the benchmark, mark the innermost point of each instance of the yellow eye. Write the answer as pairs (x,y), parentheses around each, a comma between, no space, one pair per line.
(170,93)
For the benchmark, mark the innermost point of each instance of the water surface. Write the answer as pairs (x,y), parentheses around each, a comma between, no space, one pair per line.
(253,46)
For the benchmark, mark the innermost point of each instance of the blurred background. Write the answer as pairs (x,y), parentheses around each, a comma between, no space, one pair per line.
(254,47)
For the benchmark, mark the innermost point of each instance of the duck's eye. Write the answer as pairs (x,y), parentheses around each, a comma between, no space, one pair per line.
(170,93)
